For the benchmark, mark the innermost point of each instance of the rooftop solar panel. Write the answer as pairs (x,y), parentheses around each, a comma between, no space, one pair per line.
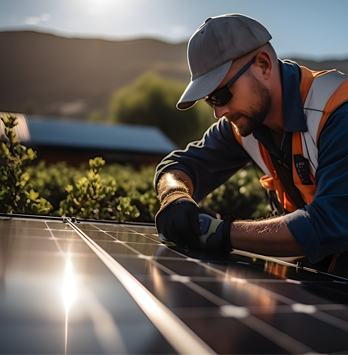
(115,288)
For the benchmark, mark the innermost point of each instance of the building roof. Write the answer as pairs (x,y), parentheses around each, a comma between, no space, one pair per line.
(60,132)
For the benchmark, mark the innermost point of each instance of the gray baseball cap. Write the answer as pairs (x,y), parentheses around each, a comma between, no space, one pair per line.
(212,49)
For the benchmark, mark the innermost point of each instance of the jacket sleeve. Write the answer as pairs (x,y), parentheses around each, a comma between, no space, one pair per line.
(208,162)
(321,227)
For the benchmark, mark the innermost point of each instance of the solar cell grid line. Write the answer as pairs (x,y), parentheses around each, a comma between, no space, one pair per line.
(128,232)
(179,336)
(242,314)
(269,332)
(251,283)
(312,310)
(185,280)
(55,241)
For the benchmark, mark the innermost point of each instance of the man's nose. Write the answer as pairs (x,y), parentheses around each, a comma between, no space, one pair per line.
(220,111)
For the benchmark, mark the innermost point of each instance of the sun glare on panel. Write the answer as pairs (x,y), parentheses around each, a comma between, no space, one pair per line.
(69,295)
(69,287)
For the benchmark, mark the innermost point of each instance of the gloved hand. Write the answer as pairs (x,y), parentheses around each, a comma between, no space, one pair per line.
(177,219)
(215,233)
(178,223)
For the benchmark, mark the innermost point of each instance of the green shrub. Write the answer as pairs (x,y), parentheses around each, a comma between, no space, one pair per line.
(242,196)
(52,180)
(102,192)
(14,177)
(94,197)
(137,186)
(106,192)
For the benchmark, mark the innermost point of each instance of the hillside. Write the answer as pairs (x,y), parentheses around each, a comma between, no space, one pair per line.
(45,74)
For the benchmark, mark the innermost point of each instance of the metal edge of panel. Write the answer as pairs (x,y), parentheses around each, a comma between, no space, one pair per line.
(287,261)
(178,334)
(73,219)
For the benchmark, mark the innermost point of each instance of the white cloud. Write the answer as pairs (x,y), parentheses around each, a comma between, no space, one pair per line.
(178,30)
(45,17)
(33,20)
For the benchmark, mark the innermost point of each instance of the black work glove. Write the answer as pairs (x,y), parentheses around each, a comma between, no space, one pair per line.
(178,222)
(215,234)
(177,219)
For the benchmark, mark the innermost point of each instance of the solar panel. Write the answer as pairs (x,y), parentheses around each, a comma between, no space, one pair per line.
(92,287)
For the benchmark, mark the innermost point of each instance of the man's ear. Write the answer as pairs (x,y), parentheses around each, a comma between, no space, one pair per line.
(264,62)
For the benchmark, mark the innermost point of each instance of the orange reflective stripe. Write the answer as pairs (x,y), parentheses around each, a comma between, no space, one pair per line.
(266,158)
(307,191)
(273,183)
(268,182)
(307,78)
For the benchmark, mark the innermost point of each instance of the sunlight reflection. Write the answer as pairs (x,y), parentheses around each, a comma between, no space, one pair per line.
(249,292)
(69,295)
(158,282)
(105,326)
(147,301)
(277,270)
(69,287)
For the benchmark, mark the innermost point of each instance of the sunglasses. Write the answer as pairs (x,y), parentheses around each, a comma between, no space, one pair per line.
(222,96)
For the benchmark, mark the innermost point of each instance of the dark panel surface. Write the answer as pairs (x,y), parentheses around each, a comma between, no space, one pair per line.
(240,304)
(57,295)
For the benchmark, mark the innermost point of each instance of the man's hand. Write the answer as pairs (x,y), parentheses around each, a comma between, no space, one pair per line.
(215,233)
(177,219)
(178,223)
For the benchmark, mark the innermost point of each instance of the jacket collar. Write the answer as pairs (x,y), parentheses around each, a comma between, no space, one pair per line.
(294,119)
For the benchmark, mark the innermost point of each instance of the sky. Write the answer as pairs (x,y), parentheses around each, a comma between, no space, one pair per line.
(313,29)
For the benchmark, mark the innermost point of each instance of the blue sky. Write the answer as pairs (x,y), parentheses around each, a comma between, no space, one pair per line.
(315,29)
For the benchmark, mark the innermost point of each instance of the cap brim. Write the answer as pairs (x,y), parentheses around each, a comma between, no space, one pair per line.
(202,86)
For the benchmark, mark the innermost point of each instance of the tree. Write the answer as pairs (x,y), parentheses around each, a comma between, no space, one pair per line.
(151,101)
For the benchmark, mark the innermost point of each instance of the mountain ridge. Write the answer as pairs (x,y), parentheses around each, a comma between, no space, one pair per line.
(47,74)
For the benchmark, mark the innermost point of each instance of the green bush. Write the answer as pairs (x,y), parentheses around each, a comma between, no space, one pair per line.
(242,196)
(101,192)
(137,186)
(15,158)
(52,180)
(122,193)
(106,192)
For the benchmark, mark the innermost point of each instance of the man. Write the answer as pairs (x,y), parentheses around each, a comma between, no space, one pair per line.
(291,121)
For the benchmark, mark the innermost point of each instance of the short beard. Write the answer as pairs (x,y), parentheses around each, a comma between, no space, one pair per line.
(256,118)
